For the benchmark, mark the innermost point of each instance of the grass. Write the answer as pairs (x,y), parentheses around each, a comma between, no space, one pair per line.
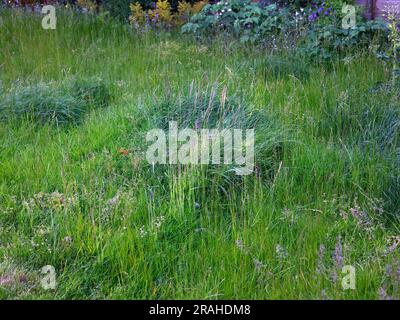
(83,199)
(60,104)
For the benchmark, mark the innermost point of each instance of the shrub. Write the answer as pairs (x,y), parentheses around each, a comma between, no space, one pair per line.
(162,14)
(118,8)
(316,29)
(245,20)
(328,39)
(44,102)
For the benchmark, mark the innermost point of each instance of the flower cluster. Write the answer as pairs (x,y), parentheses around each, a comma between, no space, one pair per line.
(318,11)
(54,200)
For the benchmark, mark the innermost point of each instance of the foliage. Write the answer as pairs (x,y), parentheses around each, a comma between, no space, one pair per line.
(138,15)
(245,20)
(393,16)
(117,8)
(326,40)
(162,14)
(317,27)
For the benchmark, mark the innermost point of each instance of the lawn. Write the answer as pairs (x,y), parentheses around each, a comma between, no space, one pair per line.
(82,198)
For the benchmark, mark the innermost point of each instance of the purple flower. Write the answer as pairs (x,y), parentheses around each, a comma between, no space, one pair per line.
(313,17)
(338,254)
(320,265)
(383,294)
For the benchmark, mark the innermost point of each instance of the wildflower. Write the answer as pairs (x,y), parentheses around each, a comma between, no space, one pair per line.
(114,200)
(382,294)
(312,17)
(324,296)
(158,221)
(67,239)
(281,251)
(120,83)
(338,254)
(6,280)
(239,243)
(320,264)
(37,8)
(258,264)
(22,278)
(361,217)
(334,276)
(393,244)
(142,232)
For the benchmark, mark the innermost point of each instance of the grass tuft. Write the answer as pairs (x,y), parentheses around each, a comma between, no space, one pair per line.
(64,103)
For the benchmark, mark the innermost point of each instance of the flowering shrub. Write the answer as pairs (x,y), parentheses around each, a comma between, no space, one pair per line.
(316,28)
(326,35)
(161,13)
(246,20)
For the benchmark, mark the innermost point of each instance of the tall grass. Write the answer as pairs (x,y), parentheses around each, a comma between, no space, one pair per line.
(83,199)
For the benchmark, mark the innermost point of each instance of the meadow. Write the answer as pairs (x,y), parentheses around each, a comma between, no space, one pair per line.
(82,198)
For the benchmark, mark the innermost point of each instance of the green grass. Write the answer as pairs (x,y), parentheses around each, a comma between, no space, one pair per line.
(115,228)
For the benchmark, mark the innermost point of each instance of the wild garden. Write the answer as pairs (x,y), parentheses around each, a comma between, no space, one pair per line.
(316,218)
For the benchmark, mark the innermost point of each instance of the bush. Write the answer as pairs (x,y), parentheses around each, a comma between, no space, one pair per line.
(44,102)
(326,40)
(246,20)
(118,8)
(121,8)
(162,14)
(316,29)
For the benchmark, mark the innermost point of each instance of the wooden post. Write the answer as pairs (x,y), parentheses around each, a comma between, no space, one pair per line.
(373,9)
